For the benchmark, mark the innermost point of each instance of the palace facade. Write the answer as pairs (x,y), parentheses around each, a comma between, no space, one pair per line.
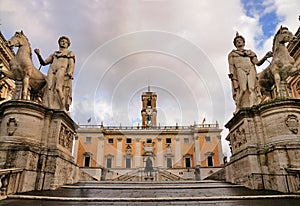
(175,151)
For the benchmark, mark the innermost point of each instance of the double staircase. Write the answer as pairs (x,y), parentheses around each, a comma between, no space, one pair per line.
(156,175)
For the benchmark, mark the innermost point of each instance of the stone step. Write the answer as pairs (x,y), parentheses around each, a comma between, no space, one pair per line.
(156,199)
(188,193)
(148,187)
(154,182)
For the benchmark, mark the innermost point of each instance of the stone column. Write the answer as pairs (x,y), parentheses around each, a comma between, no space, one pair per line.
(137,153)
(197,150)
(75,149)
(100,151)
(119,152)
(220,151)
(159,153)
(177,152)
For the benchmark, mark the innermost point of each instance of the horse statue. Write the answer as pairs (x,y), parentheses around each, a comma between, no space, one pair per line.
(29,80)
(281,66)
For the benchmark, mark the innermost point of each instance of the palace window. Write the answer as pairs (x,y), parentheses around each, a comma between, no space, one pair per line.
(209,159)
(187,162)
(109,161)
(149,141)
(169,162)
(186,140)
(128,141)
(207,139)
(87,160)
(168,140)
(110,140)
(88,139)
(128,162)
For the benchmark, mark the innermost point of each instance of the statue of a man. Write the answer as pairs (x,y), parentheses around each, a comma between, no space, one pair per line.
(60,75)
(243,75)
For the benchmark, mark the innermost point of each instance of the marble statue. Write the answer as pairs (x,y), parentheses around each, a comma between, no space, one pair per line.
(58,94)
(243,75)
(149,167)
(281,66)
(29,80)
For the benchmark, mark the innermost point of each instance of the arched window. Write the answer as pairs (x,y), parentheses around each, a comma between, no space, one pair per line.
(87,160)
(209,159)
(109,161)
(187,161)
(128,160)
(169,162)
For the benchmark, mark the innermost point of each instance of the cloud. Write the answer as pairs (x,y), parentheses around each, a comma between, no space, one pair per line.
(179,47)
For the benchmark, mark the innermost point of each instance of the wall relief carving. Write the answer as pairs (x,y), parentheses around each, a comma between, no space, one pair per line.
(65,137)
(292,123)
(238,138)
(11,126)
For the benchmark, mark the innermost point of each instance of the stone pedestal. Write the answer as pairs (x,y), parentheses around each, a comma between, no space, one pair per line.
(265,143)
(39,141)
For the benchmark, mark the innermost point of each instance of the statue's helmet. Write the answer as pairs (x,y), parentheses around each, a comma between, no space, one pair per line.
(238,36)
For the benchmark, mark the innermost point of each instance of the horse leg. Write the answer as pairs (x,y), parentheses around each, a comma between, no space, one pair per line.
(277,83)
(25,87)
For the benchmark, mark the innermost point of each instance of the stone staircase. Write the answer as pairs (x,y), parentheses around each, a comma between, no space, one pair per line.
(133,175)
(139,175)
(213,193)
(169,176)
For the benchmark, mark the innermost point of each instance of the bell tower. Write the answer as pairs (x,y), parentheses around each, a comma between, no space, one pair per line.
(149,111)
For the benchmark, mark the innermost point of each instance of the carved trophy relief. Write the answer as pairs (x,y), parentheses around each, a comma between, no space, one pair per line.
(292,123)
(238,138)
(65,137)
(11,126)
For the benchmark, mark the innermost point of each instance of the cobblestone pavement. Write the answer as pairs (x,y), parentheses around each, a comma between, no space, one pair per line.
(182,193)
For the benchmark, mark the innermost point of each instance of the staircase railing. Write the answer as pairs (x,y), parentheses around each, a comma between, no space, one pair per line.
(171,176)
(128,175)
(10,180)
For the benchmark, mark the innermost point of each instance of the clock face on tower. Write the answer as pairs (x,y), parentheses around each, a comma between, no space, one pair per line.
(148,111)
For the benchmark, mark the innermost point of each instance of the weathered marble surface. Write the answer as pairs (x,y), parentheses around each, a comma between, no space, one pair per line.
(243,75)
(58,94)
(39,140)
(265,140)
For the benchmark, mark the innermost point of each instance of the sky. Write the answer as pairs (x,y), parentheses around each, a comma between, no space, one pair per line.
(177,47)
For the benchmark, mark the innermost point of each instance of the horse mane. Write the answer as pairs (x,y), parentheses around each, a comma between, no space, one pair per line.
(21,33)
(276,35)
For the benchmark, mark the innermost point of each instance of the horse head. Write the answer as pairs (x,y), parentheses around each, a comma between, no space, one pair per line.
(18,40)
(283,36)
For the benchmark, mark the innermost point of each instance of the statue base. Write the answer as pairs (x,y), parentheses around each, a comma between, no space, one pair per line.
(148,178)
(265,144)
(39,141)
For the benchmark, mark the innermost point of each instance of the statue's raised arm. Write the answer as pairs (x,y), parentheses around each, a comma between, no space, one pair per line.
(60,75)
(243,75)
